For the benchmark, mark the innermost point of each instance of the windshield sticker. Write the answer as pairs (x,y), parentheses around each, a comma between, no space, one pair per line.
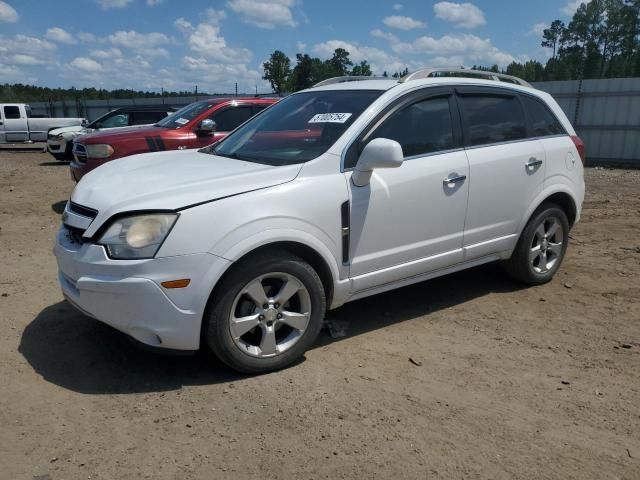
(330,118)
(182,121)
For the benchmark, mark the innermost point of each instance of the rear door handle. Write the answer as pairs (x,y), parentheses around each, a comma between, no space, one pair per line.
(533,163)
(453,179)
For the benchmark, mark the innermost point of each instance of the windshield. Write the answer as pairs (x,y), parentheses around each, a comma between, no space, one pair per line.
(184,115)
(297,129)
(97,121)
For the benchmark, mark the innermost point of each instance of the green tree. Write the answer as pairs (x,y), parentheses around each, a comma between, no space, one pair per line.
(277,71)
(339,63)
(551,36)
(362,70)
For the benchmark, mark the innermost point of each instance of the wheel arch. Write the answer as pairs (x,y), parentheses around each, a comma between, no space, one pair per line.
(561,197)
(305,246)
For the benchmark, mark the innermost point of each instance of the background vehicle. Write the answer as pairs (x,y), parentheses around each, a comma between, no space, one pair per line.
(197,125)
(17,125)
(60,140)
(336,193)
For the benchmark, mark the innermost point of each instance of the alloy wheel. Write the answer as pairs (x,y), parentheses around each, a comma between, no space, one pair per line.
(546,247)
(270,314)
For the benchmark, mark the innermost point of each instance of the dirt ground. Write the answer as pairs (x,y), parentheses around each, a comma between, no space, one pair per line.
(468,376)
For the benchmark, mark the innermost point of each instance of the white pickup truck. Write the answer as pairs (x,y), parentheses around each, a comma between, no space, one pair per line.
(18,126)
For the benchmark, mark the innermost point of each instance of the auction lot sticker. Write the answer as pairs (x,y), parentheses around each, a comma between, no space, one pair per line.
(330,118)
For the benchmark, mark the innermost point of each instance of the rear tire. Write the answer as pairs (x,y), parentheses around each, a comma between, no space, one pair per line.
(541,247)
(265,314)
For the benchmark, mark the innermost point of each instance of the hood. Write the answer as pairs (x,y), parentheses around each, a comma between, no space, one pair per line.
(73,129)
(120,133)
(171,180)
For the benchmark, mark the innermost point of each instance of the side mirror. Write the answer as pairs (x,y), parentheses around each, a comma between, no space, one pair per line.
(206,127)
(378,153)
(85,122)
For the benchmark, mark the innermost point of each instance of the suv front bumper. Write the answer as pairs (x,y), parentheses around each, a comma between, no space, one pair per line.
(127,294)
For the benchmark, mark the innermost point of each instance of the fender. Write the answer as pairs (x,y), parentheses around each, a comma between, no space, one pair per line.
(339,273)
(546,193)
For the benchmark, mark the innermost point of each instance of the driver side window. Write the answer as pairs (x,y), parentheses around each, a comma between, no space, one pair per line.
(420,128)
(230,118)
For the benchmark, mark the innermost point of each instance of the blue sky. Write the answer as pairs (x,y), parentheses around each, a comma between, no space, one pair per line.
(176,44)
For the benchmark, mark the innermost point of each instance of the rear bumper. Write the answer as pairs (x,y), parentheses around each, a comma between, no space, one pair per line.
(128,295)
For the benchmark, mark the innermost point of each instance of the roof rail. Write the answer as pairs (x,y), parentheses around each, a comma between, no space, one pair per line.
(346,78)
(463,72)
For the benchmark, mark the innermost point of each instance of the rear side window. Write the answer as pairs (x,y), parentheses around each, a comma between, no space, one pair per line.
(493,119)
(11,113)
(543,122)
(230,118)
(145,118)
(420,128)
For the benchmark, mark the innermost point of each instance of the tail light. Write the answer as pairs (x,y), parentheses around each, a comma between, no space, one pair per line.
(582,151)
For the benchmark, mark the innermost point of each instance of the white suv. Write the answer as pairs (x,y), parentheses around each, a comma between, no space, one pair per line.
(335,193)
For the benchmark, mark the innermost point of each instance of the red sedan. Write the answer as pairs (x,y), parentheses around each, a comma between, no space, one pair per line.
(194,126)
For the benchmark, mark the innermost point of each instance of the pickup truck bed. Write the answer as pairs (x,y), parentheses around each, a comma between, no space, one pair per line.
(17,126)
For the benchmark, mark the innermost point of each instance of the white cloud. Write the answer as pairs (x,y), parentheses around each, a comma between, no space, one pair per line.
(86,37)
(25,50)
(464,15)
(402,23)
(377,33)
(59,35)
(23,59)
(13,74)
(223,75)
(86,64)
(153,3)
(138,41)
(106,54)
(107,4)
(8,14)
(461,48)
(183,25)
(207,41)
(264,13)
(538,29)
(571,6)
(301,46)
(398,6)
(215,16)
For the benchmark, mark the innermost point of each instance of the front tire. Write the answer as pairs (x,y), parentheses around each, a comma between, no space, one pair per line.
(541,247)
(265,313)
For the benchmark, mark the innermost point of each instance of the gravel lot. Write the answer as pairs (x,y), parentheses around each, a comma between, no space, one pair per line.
(468,376)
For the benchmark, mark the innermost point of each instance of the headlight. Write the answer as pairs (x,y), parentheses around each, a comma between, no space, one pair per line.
(61,137)
(99,150)
(138,236)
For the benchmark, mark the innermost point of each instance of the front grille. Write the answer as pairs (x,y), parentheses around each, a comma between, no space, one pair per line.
(75,234)
(84,211)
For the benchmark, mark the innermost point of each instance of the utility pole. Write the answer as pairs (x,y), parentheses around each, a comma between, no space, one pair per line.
(256,90)
(162,94)
(196,93)
(236,89)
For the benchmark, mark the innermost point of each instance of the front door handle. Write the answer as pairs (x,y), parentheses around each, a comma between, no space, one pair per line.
(533,163)
(453,179)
